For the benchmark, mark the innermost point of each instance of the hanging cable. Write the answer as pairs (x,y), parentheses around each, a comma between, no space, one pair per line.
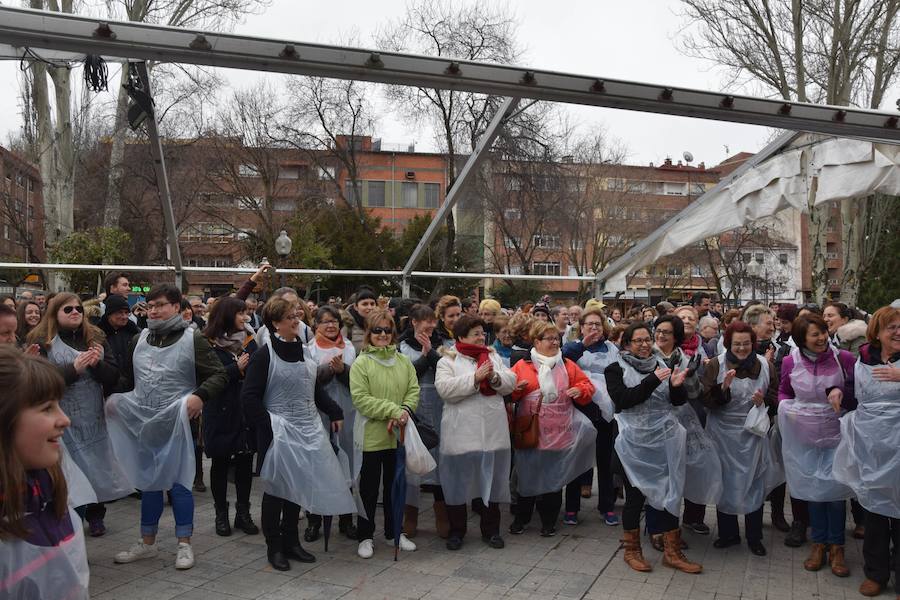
(95,73)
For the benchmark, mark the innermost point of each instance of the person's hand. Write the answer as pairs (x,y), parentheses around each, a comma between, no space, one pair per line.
(706,361)
(729,377)
(886,373)
(425,341)
(82,361)
(592,337)
(662,373)
(242,361)
(678,377)
(194,406)
(400,423)
(336,426)
(96,352)
(574,393)
(834,399)
(758,398)
(337,363)
(484,371)
(520,385)
(770,354)
(260,273)
(32,350)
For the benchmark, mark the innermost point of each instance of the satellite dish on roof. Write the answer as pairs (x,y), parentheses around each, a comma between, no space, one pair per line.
(688,157)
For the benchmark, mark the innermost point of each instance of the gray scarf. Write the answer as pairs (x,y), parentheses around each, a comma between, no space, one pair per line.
(641,365)
(163,327)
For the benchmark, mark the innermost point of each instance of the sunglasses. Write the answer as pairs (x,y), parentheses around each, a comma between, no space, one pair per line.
(68,309)
(382,330)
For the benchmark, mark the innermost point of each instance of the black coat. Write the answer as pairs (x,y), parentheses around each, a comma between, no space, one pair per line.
(119,341)
(225,429)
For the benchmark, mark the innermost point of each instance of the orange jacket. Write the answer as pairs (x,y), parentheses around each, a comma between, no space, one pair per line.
(526,371)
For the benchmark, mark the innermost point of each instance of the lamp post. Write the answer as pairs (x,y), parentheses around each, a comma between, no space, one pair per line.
(283,245)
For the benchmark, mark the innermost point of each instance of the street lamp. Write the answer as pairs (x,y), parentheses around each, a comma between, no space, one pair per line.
(283,245)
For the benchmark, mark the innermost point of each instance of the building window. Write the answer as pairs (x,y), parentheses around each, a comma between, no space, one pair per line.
(744,257)
(432,195)
(547,268)
(783,258)
(376,193)
(635,187)
(674,189)
(759,258)
(206,232)
(252,203)
(615,185)
(512,214)
(354,194)
(326,173)
(289,172)
(511,241)
(410,195)
(576,244)
(674,271)
(284,204)
(5,231)
(248,170)
(546,240)
(217,200)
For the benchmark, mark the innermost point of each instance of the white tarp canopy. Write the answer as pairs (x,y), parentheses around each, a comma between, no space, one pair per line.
(794,171)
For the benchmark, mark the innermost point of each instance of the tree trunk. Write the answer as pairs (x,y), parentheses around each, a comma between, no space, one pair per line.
(113,208)
(818,243)
(854,215)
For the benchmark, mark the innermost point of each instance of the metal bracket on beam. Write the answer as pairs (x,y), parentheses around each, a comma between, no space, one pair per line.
(466,175)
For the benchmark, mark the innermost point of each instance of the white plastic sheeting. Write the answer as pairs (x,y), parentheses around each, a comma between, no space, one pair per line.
(779,177)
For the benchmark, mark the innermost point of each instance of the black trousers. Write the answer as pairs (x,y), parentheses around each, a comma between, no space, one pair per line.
(858,512)
(458,516)
(280,521)
(377,470)
(878,563)
(728,525)
(800,510)
(243,478)
(548,506)
(92,512)
(693,513)
(634,503)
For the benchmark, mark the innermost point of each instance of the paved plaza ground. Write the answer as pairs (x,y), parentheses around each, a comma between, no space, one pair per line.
(579,562)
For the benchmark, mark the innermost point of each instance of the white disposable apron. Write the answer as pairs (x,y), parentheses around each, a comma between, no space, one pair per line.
(149,426)
(430,412)
(87,439)
(340,393)
(593,364)
(868,456)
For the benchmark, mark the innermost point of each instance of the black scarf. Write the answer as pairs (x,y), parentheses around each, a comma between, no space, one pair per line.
(745,365)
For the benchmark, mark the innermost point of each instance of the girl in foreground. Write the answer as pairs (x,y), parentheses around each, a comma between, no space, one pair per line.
(42,552)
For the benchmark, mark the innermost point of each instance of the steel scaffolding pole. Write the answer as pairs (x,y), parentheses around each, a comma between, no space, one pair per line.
(72,33)
(466,175)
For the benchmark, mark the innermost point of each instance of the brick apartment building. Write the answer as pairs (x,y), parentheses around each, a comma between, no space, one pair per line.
(21,214)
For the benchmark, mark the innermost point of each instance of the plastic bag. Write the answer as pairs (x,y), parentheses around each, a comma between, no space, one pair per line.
(757,421)
(418,460)
(602,399)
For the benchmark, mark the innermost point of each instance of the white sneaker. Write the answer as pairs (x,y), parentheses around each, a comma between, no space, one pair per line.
(406,544)
(139,551)
(185,557)
(366,549)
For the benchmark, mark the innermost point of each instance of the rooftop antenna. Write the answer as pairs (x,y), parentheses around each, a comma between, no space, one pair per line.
(688,157)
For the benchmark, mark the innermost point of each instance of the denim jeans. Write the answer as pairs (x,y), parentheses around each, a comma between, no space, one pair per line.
(182,507)
(827,521)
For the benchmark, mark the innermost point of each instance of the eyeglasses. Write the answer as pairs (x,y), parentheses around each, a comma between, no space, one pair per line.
(664,332)
(68,309)
(641,341)
(155,305)
(331,322)
(382,330)
(741,344)
(551,340)
(594,325)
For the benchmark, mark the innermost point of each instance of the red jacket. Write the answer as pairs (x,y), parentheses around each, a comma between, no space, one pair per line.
(526,371)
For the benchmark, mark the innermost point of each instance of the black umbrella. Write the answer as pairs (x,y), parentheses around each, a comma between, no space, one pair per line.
(398,493)
(326,519)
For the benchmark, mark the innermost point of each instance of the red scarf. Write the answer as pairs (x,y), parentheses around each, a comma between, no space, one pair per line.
(481,355)
(689,347)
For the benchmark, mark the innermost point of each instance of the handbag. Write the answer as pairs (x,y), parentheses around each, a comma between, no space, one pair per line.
(428,435)
(525,430)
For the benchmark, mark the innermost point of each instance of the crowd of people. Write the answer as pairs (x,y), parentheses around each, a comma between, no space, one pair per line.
(672,408)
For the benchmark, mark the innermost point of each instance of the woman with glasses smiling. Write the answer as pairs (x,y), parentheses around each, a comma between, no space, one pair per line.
(80,352)
(733,383)
(548,387)
(650,445)
(385,392)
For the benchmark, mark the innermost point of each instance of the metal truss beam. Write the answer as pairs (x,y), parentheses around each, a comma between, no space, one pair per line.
(465,178)
(54,31)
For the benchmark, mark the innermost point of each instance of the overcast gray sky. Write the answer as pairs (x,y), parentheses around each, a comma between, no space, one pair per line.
(634,40)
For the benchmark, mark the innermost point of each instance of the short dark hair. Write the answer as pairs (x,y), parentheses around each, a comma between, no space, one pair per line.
(112,279)
(629,332)
(326,310)
(738,327)
(465,324)
(276,309)
(677,327)
(421,312)
(7,311)
(801,326)
(165,290)
(699,297)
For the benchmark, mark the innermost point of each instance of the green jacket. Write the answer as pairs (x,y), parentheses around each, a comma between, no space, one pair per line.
(379,392)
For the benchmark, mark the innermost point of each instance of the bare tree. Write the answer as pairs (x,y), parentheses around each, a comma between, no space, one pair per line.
(841,52)
(473,31)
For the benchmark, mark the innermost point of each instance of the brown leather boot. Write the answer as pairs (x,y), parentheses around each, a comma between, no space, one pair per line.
(870,588)
(816,558)
(674,557)
(836,560)
(410,520)
(634,557)
(441,520)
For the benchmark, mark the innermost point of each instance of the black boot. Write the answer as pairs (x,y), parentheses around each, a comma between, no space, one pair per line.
(275,555)
(242,519)
(223,527)
(295,551)
(346,526)
(312,532)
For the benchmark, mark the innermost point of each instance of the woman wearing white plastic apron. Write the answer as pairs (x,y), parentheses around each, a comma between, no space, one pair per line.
(42,553)
(334,354)
(816,386)
(78,348)
(282,399)
(650,446)
(422,345)
(703,471)
(733,383)
(868,456)
(174,371)
(475,449)
(593,352)
(548,386)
